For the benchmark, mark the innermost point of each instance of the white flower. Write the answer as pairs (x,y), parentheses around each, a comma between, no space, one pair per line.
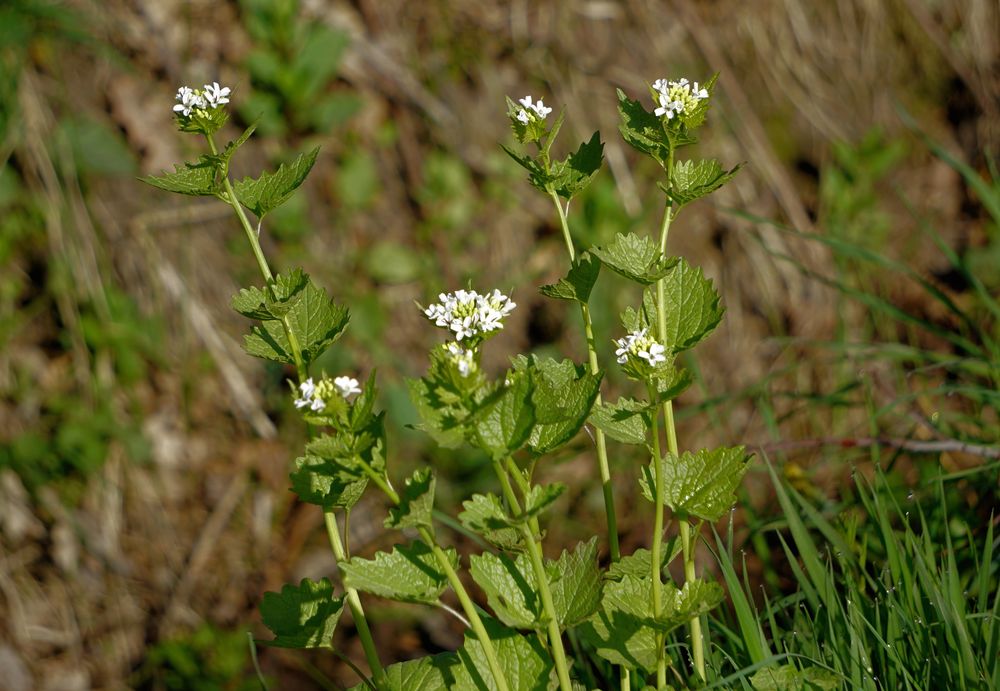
(215,95)
(538,109)
(307,389)
(189,99)
(675,97)
(638,344)
(464,359)
(470,315)
(346,386)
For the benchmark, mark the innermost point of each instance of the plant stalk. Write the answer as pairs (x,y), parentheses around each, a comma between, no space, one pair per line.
(599,438)
(656,549)
(354,602)
(469,608)
(687,537)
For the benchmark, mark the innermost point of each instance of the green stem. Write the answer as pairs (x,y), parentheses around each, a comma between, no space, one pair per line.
(599,438)
(529,531)
(657,548)
(357,611)
(687,538)
(555,635)
(469,608)
(265,270)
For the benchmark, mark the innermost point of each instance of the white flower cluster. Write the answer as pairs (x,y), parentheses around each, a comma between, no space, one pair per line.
(470,315)
(315,394)
(677,97)
(211,96)
(464,359)
(640,345)
(538,109)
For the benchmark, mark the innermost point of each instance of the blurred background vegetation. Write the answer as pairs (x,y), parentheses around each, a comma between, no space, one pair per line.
(143,457)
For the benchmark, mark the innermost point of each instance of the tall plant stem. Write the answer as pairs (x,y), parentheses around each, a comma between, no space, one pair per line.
(529,532)
(599,438)
(687,536)
(337,546)
(265,270)
(357,611)
(456,583)
(469,608)
(657,548)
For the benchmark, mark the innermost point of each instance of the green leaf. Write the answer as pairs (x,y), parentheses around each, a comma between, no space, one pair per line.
(635,257)
(510,587)
(196,179)
(324,482)
(639,563)
(537,176)
(570,177)
(540,497)
(618,632)
(579,282)
(642,130)
(485,515)
(623,420)
(692,305)
(315,321)
(700,484)
(575,583)
(507,423)
(525,664)
(690,181)
(271,190)
(416,502)
(563,397)
(258,303)
(434,416)
(302,616)
(672,384)
(410,573)
(429,673)
(789,678)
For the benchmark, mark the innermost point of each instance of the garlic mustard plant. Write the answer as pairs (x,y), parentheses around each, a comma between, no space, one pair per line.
(536,610)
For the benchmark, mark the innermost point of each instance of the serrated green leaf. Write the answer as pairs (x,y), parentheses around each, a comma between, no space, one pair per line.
(510,587)
(416,502)
(271,190)
(693,308)
(700,484)
(537,176)
(540,497)
(485,515)
(789,678)
(315,321)
(563,397)
(273,301)
(690,181)
(525,664)
(672,384)
(575,583)
(642,130)
(639,563)
(570,177)
(578,283)
(507,423)
(622,420)
(410,573)
(325,483)
(619,634)
(195,179)
(435,420)
(635,257)
(429,673)
(302,616)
